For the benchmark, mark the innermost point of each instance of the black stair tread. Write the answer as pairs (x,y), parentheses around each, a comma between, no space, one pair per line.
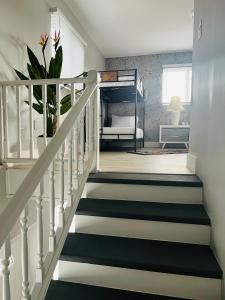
(61,290)
(158,256)
(147,179)
(166,212)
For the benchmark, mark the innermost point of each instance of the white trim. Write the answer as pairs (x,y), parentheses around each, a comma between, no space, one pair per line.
(60,14)
(192,163)
(177,66)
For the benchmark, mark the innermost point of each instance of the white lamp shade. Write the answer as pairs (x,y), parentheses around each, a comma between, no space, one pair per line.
(175,104)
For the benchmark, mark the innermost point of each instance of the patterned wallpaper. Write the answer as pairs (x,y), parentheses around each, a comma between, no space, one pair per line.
(150,70)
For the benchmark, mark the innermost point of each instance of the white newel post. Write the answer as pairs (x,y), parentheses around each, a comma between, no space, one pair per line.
(24,256)
(96,118)
(5,254)
(1,129)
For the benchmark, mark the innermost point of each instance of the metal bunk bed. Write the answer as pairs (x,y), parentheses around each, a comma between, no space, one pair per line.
(122,86)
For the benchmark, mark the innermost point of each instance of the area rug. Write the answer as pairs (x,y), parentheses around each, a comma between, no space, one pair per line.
(159,151)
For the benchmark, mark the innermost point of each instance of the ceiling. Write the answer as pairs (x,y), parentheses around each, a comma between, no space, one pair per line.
(137,27)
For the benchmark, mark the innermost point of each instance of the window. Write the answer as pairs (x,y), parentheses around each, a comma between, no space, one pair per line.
(177,81)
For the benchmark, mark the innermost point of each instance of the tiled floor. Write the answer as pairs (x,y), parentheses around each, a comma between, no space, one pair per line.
(127,162)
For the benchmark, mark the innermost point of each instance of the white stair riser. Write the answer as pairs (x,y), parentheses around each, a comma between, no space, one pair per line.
(167,194)
(152,230)
(173,285)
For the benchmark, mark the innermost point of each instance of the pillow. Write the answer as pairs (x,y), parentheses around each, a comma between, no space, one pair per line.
(123,121)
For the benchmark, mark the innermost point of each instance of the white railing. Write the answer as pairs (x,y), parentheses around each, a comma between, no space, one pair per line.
(38,217)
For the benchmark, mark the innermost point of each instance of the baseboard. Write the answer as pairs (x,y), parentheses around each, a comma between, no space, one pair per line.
(192,163)
(152,145)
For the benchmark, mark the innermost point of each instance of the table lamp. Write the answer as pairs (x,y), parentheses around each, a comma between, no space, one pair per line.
(176,107)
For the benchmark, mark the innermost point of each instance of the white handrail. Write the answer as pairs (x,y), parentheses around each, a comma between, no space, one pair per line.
(44,81)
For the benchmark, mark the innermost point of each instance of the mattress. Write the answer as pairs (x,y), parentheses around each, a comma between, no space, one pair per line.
(120,133)
(117,84)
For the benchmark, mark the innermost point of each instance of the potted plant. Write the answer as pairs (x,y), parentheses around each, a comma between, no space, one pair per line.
(36,70)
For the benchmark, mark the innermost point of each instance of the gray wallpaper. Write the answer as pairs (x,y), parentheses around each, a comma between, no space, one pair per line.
(150,70)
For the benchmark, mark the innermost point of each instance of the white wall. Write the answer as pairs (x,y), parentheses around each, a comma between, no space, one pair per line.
(208,116)
(21,23)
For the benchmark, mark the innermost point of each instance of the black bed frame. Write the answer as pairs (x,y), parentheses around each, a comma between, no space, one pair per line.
(124,93)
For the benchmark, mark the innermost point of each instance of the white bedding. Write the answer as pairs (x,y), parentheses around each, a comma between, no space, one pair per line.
(125,133)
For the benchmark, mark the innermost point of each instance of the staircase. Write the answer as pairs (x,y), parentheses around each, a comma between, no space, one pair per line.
(139,236)
(136,236)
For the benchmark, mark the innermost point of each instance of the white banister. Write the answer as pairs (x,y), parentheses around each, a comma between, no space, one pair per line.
(5,112)
(40,255)
(76,155)
(31,120)
(4,265)
(61,161)
(18,116)
(24,255)
(62,188)
(87,130)
(44,100)
(81,150)
(49,81)
(1,129)
(96,129)
(58,97)
(70,169)
(52,207)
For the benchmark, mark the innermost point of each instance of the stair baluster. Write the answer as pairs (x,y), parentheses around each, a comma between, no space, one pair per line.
(5,254)
(52,207)
(18,106)
(31,120)
(62,187)
(24,255)
(40,256)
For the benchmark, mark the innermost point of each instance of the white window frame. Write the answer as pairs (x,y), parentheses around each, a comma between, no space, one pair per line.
(177,66)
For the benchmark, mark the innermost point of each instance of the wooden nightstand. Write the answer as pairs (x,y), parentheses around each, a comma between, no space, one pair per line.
(172,134)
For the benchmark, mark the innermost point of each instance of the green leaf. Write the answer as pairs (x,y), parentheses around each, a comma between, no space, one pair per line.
(36,89)
(66,99)
(51,68)
(34,74)
(35,63)
(50,89)
(65,108)
(37,107)
(20,75)
(49,127)
(58,62)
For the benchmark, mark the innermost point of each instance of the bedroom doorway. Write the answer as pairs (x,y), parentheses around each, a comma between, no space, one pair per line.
(133,134)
